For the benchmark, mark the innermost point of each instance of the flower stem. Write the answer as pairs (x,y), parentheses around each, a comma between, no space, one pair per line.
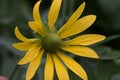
(71,7)
(13,72)
(64,8)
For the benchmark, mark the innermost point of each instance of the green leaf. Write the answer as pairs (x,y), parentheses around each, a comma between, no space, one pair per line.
(106,53)
(98,69)
(117,61)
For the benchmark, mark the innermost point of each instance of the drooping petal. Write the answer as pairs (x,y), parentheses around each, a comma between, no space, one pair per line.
(37,27)
(78,26)
(20,36)
(53,13)
(36,12)
(30,55)
(81,51)
(73,66)
(86,39)
(49,68)
(33,66)
(23,46)
(60,69)
(73,18)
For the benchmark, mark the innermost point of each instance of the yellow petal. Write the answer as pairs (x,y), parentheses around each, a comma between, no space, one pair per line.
(49,68)
(80,51)
(36,12)
(74,66)
(37,27)
(60,69)
(73,18)
(78,26)
(23,46)
(19,35)
(33,66)
(53,13)
(87,39)
(30,55)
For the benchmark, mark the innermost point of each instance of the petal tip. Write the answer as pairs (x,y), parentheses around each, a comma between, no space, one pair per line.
(14,45)
(20,63)
(104,37)
(84,3)
(94,17)
(96,57)
(16,28)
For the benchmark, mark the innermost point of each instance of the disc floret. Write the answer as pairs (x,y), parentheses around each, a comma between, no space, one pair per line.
(51,42)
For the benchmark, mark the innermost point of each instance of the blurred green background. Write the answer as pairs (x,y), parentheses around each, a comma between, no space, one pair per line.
(19,12)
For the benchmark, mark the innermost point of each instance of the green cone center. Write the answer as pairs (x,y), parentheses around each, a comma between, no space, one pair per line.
(51,42)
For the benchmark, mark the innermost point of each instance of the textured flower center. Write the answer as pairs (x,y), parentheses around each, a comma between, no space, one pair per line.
(51,42)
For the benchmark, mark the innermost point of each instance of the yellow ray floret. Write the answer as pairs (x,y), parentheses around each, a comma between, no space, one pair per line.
(53,13)
(20,36)
(79,26)
(73,18)
(23,46)
(74,66)
(33,66)
(80,51)
(60,68)
(30,55)
(86,39)
(36,13)
(37,27)
(49,68)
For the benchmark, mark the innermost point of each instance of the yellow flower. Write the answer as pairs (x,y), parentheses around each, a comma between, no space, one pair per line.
(53,44)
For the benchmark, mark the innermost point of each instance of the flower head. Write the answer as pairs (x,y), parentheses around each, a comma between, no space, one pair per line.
(54,44)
